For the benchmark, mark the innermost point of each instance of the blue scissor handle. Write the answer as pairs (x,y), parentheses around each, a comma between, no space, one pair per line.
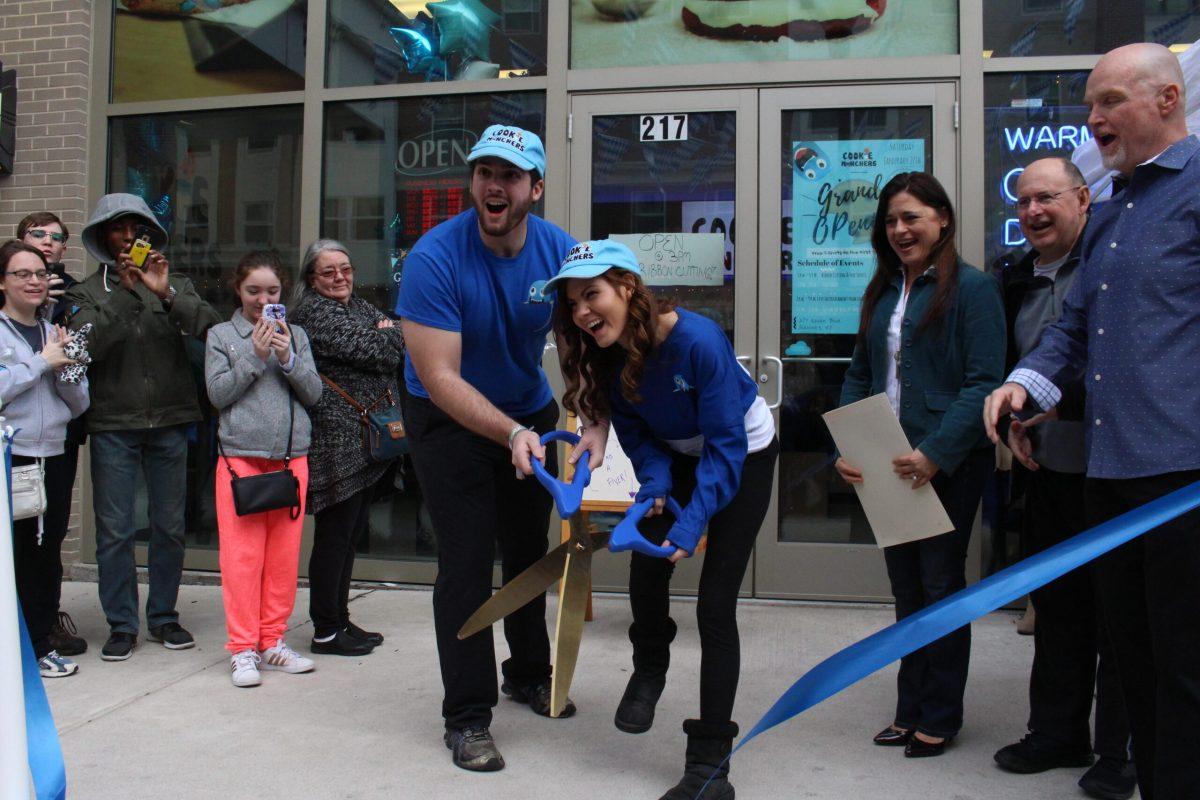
(626,535)
(568,497)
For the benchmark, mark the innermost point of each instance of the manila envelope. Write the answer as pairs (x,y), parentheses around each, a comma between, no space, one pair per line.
(869,436)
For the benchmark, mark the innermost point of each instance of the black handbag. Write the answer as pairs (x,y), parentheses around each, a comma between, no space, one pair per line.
(384,437)
(269,491)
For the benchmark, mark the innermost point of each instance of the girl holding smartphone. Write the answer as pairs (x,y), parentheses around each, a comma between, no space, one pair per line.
(260,374)
(690,419)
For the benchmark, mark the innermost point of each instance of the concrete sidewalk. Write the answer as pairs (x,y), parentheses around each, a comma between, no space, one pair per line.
(170,724)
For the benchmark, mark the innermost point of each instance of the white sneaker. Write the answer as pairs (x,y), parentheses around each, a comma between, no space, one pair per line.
(245,668)
(285,659)
(52,665)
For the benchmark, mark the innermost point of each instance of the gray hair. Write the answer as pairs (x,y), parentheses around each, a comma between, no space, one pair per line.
(309,263)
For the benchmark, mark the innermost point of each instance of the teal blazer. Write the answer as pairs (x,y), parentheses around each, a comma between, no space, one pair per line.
(946,371)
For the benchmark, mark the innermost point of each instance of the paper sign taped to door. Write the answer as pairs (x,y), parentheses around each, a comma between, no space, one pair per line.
(869,436)
(678,259)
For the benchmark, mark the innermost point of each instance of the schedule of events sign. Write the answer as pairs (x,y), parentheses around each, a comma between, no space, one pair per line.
(835,191)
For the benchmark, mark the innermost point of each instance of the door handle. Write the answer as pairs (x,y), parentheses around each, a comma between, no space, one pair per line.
(778,380)
(745,361)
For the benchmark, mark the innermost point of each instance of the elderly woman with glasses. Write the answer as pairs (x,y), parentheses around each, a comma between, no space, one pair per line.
(357,351)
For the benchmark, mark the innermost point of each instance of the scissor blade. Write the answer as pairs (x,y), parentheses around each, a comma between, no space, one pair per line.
(572,604)
(517,592)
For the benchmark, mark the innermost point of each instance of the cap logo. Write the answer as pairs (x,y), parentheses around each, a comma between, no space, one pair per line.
(509,136)
(580,252)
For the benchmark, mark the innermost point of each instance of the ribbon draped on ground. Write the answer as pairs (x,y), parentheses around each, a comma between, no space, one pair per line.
(930,624)
(29,746)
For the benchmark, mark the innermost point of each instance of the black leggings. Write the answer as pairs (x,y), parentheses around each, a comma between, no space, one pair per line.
(336,533)
(731,535)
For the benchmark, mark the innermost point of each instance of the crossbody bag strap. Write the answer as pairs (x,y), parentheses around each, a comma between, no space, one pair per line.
(345,396)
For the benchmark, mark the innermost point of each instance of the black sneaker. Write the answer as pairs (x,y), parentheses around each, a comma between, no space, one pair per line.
(375,639)
(64,638)
(1110,779)
(342,644)
(474,749)
(1036,753)
(537,695)
(172,635)
(118,647)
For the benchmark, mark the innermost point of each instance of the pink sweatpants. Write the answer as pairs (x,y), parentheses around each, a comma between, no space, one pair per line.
(259,557)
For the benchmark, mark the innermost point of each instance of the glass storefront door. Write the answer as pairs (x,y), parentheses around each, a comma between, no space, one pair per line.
(671,174)
(826,153)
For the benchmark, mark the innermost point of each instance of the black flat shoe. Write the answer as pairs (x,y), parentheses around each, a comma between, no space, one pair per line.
(375,639)
(537,695)
(916,748)
(890,737)
(342,644)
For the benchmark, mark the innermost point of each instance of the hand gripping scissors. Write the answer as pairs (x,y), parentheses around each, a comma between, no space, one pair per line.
(570,563)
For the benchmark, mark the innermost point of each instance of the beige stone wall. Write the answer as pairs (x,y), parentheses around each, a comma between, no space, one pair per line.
(48,42)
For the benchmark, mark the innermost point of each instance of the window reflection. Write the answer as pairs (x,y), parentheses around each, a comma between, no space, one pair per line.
(1067,27)
(405,41)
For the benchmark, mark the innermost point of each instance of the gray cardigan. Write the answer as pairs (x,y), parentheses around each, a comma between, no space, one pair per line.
(34,401)
(252,395)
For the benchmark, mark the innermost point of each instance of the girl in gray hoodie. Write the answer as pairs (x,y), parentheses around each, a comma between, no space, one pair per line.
(37,403)
(260,374)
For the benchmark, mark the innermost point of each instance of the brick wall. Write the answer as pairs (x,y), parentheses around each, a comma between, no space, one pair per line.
(48,42)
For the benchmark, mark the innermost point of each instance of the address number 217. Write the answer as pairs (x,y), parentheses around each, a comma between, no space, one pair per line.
(664,127)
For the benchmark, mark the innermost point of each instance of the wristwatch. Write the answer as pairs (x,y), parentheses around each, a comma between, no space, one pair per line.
(170,298)
(513,433)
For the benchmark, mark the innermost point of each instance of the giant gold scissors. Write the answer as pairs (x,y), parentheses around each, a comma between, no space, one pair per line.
(571,564)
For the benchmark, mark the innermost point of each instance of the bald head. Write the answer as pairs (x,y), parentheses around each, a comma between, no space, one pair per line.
(1136,97)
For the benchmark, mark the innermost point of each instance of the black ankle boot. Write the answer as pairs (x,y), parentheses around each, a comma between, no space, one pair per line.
(708,748)
(651,657)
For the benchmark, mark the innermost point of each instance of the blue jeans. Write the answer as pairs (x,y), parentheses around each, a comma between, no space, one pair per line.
(116,455)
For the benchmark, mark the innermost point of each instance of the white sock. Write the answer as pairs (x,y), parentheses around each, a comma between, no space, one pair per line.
(328,638)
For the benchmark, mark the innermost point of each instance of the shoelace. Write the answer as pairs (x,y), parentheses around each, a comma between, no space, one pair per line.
(472,735)
(247,659)
(66,623)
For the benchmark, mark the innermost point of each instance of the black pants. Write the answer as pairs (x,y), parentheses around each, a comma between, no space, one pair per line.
(731,535)
(475,502)
(38,567)
(337,530)
(932,680)
(1067,635)
(1150,596)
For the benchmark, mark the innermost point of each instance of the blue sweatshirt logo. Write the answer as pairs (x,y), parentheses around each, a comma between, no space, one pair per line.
(537,293)
(681,385)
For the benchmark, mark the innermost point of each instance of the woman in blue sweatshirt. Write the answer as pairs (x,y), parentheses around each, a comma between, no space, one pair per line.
(690,420)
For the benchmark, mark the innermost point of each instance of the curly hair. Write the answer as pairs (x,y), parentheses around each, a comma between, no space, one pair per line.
(588,369)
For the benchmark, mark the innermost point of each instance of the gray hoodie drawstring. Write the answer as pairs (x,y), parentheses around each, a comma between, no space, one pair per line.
(106,280)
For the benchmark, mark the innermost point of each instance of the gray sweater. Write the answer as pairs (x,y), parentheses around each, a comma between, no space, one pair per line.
(32,399)
(252,394)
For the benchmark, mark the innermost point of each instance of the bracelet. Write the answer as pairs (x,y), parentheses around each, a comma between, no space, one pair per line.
(513,433)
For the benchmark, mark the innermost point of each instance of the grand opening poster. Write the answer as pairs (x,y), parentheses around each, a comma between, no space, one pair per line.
(835,191)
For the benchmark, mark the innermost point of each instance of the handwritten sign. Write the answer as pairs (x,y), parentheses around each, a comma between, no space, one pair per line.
(835,192)
(678,259)
(614,481)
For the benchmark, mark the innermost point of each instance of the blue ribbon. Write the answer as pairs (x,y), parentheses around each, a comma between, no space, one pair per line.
(45,753)
(932,623)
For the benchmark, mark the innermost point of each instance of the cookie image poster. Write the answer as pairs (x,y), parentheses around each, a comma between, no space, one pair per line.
(644,33)
(835,191)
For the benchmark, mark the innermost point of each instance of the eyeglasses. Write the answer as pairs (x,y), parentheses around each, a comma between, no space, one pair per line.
(25,274)
(39,234)
(1043,198)
(332,272)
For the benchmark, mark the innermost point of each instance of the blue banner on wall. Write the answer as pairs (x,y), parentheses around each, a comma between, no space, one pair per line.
(835,191)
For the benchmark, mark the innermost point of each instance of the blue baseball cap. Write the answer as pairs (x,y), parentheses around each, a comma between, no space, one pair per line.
(515,145)
(589,259)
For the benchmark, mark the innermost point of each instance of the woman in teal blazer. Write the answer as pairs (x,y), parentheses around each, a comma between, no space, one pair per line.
(931,336)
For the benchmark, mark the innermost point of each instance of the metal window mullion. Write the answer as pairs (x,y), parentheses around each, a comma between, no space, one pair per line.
(398,90)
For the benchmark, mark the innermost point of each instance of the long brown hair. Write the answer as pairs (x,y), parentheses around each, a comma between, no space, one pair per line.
(588,369)
(259,259)
(928,191)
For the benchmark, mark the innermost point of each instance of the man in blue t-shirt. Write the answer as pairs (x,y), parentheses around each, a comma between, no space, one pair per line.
(475,323)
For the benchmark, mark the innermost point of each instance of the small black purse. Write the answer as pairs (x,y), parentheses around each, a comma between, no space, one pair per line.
(269,491)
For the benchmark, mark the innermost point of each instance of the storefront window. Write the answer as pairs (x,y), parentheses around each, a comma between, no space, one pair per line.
(221,183)
(167,49)
(1027,116)
(408,41)
(643,33)
(392,170)
(1068,27)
